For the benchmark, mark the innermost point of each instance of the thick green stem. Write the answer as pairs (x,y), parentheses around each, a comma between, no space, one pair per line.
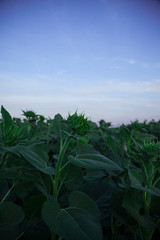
(147,202)
(62,180)
(59,163)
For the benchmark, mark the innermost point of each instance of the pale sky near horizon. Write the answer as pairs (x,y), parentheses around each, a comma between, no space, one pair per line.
(100,57)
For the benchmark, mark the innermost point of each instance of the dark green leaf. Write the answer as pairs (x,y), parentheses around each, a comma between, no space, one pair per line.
(10,214)
(71,223)
(83,201)
(132,204)
(96,161)
(6,118)
(73,177)
(136,182)
(36,156)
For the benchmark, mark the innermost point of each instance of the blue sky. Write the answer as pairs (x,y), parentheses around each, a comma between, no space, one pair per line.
(100,57)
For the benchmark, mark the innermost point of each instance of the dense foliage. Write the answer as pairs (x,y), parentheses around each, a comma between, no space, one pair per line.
(72,179)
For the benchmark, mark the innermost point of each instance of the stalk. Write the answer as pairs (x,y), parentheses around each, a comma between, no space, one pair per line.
(156,181)
(20,236)
(55,181)
(48,133)
(4,159)
(59,163)
(60,238)
(53,235)
(6,195)
(147,202)
(51,177)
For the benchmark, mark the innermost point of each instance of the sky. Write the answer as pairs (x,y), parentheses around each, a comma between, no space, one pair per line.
(99,57)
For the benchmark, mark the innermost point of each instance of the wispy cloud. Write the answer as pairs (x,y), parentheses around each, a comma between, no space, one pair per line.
(114,100)
(133,87)
(125,60)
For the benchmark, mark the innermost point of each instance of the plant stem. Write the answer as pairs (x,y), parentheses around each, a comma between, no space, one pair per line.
(62,181)
(20,236)
(147,202)
(48,133)
(52,182)
(140,231)
(59,163)
(156,181)
(4,159)
(6,195)
(53,235)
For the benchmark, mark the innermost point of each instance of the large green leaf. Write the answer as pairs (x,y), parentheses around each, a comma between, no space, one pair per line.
(72,176)
(73,222)
(36,155)
(136,182)
(85,148)
(96,161)
(50,211)
(141,136)
(81,200)
(100,192)
(59,126)
(94,174)
(10,215)
(78,224)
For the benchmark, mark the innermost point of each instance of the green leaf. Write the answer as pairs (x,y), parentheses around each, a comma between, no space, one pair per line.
(82,200)
(50,211)
(132,205)
(141,136)
(136,182)
(96,161)
(6,118)
(100,192)
(78,224)
(85,148)
(116,205)
(112,144)
(58,125)
(135,178)
(94,174)
(73,177)
(10,215)
(71,223)
(35,155)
